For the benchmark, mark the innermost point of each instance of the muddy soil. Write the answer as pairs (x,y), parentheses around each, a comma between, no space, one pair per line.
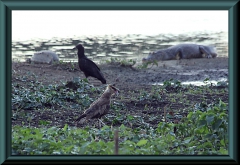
(185,70)
(126,79)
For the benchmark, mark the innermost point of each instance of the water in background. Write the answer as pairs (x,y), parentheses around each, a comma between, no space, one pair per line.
(131,34)
(132,46)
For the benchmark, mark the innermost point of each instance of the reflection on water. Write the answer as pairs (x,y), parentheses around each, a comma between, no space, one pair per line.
(122,46)
(198,83)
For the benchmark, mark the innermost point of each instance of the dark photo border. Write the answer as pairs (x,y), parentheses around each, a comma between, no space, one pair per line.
(6,7)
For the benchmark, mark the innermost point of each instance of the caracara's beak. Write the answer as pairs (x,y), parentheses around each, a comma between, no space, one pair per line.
(117,91)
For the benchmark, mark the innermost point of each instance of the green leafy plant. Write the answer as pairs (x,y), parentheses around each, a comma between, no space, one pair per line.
(198,133)
(121,62)
(146,64)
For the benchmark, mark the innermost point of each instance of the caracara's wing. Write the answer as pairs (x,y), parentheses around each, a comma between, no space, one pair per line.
(98,112)
(98,108)
(98,103)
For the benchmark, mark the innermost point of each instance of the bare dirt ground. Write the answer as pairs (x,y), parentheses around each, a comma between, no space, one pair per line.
(127,78)
(185,70)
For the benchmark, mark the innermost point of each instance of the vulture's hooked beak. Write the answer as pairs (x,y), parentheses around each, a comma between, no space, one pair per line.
(74,47)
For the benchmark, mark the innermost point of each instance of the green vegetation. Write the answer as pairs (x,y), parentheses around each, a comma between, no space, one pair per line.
(198,133)
(121,62)
(146,64)
(168,119)
(38,95)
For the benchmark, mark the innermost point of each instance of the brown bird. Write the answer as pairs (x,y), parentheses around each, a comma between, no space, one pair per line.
(100,107)
(88,67)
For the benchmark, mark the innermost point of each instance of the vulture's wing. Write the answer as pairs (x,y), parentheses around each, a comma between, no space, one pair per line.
(91,64)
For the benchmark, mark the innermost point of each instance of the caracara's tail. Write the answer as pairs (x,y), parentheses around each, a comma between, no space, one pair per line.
(82,116)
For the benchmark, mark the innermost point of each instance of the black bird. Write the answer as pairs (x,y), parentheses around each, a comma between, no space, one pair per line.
(100,107)
(88,67)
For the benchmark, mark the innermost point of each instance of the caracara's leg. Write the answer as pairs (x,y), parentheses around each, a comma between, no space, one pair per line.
(94,123)
(101,122)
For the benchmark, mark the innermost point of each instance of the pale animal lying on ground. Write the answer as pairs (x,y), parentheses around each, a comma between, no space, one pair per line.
(182,51)
(44,56)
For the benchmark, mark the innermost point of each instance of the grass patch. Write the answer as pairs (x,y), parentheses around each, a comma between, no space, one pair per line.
(196,134)
(168,119)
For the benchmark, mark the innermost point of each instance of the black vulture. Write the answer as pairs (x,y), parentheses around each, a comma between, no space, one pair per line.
(88,67)
(101,106)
